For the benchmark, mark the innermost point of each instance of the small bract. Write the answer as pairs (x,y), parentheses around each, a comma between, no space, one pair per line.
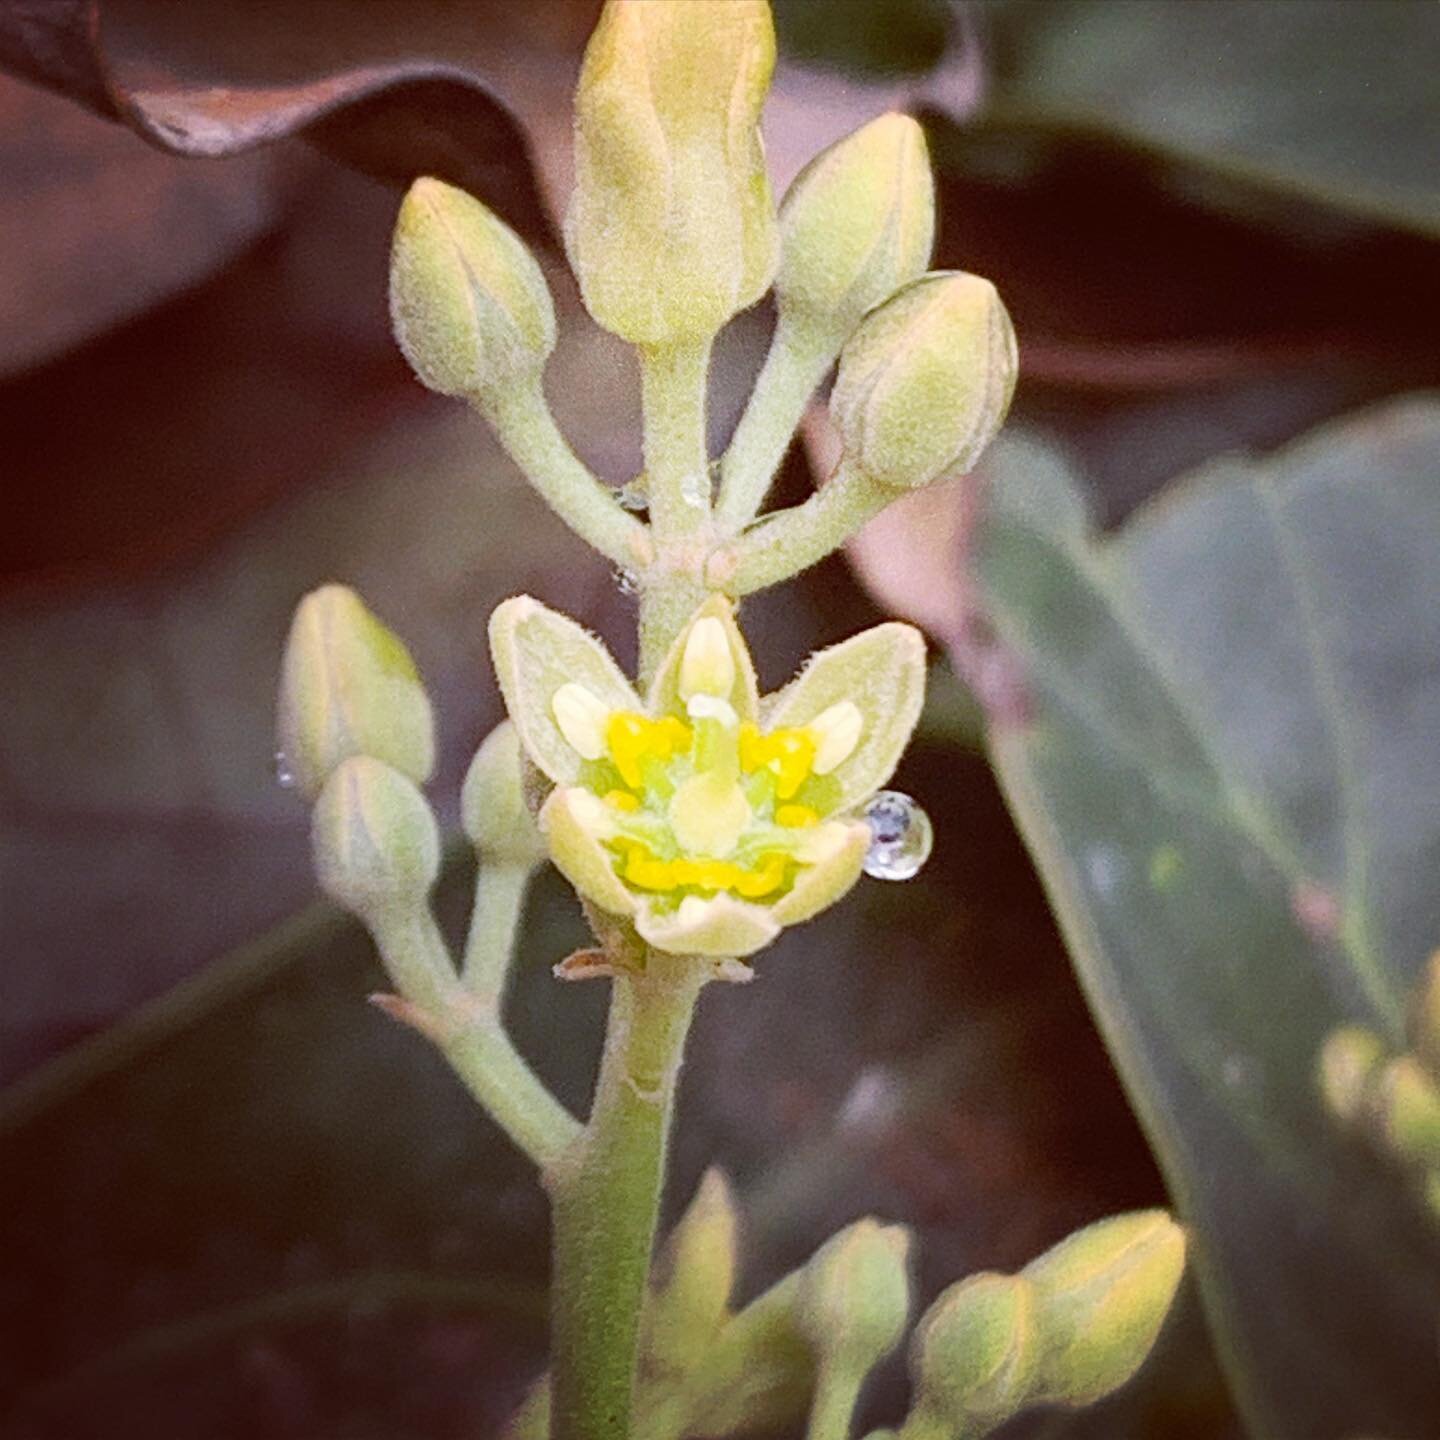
(708,817)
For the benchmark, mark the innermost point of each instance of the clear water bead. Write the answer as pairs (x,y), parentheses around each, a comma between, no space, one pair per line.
(634,496)
(284,774)
(901,837)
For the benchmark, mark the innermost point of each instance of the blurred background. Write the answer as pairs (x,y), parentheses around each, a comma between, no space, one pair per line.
(238,1201)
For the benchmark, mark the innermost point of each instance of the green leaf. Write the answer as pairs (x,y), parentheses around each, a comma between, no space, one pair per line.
(1328,99)
(1230,779)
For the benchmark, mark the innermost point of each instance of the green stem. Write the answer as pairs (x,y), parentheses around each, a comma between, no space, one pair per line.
(792,540)
(500,887)
(677,475)
(677,463)
(469,1034)
(832,1407)
(606,1201)
(521,418)
(800,354)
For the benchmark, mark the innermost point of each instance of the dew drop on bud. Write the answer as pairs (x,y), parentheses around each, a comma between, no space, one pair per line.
(284,772)
(695,491)
(901,837)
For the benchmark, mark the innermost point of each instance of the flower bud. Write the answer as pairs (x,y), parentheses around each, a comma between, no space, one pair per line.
(349,687)
(671,228)
(1407,1111)
(469,305)
(374,838)
(1424,1025)
(1349,1060)
(689,1306)
(858,223)
(492,802)
(973,1356)
(925,382)
(1100,1298)
(854,1296)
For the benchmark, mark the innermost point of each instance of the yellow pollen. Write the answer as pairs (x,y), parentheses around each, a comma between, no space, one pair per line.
(641,869)
(623,800)
(788,754)
(796,817)
(632,739)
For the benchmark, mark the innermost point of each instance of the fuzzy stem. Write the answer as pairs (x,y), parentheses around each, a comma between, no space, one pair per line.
(468,1032)
(832,1406)
(500,887)
(792,540)
(800,354)
(521,418)
(606,1201)
(677,463)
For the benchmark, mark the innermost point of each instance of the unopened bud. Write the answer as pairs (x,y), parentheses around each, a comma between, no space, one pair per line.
(1425,1017)
(973,1357)
(925,382)
(691,1302)
(1349,1060)
(374,838)
(492,802)
(349,687)
(468,303)
(854,1296)
(858,223)
(1100,1298)
(1407,1111)
(671,228)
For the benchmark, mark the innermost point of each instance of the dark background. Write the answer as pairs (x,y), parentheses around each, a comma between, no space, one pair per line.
(236,1200)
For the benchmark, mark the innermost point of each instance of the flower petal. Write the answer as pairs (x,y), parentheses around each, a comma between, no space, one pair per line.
(829,878)
(720,926)
(882,671)
(568,825)
(665,698)
(536,652)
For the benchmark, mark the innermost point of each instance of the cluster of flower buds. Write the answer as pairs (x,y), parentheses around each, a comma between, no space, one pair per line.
(1392,1101)
(1072,1326)
(357,738)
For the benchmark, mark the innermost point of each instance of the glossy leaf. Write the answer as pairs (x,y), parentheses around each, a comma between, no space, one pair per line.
(1230,779)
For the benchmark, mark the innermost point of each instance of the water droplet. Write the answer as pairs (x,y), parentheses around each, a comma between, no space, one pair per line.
(628,581)
(634,495)
(284,774)
(695,490)
(901,836)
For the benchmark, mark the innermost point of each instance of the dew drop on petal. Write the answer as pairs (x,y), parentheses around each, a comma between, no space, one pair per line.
(284,772)
(901,837)
(627,581)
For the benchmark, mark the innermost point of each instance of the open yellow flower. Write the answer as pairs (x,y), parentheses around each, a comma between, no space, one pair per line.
(710,818)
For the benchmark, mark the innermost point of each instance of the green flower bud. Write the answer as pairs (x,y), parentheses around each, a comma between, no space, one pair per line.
(374,838)
(1425,1017)
(1100,1298)
(1407,1111)
(469,305)
(758,1374)
(858,223)
(349,687)
(691,1303)
(671,228)
(973,1356)
(492,802)
(1349,1060)
(925,382)
(854,1296)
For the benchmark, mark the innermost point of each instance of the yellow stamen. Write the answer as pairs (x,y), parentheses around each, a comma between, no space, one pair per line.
(624,800)
(788,754)
(796,817)
(633,739)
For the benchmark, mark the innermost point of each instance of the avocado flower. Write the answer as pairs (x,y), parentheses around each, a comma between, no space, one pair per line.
(707,816)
